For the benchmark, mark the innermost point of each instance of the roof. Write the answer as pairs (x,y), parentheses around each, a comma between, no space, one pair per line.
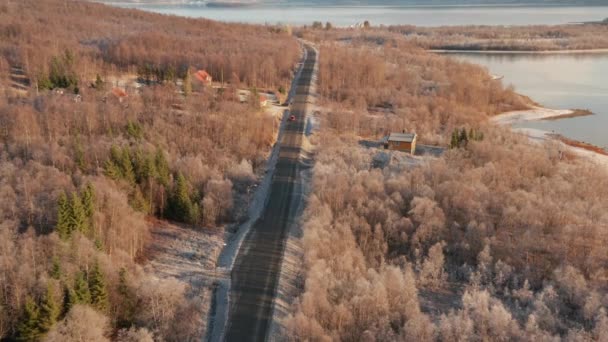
(405,137)
(119,92)
(202,75)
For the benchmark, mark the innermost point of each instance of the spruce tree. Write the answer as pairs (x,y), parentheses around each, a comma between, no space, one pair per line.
(28,328)
(64,214)
(126,311)
(463,138)
(69,299)
(97,287)
(162,168)
(126,166)
(187,87)
(49,310)
(78,219)
(454,141)
(80,293)
(56,269)
(180,204)
(88,200)
(111,170)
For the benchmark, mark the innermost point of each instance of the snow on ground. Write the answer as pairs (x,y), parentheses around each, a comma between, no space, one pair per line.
(540,136)
(533,114)
(187,255)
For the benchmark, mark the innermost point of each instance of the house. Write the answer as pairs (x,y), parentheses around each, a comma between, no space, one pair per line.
(405,142)
(203,76)
(119,93)
(263,101)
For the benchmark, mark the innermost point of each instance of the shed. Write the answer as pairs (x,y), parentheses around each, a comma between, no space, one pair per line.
(405,142)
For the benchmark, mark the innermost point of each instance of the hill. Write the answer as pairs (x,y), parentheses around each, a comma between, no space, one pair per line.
(105,131)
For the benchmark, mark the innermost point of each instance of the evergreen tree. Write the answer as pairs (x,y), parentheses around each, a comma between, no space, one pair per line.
(126,166)
(463,140)
(126,311)
(56,269)
(187,87)
(78,219)
(97,287)
(28,328)
(88,200)
(69,299)
(162,168)
(80,294)
(99,245)
(455,140)
(49,310)
(79,156)
(98,83)
(134,130)
(111,170)
(64,214)
(180,206)
(139,202)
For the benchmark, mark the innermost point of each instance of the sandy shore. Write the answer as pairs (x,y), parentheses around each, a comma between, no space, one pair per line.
(534,114)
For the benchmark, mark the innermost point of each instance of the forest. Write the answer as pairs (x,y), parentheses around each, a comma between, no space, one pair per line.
(498,239)
(512,38)
(87,168)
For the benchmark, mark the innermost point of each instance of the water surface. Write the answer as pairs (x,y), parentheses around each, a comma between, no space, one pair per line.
(346,15)
(561,81)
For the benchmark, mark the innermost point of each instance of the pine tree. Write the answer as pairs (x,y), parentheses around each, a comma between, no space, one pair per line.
(64,214)
(49,310)
(88,201)
(454,141)
(139,202)
(98,83)
(99,245)
(126,166)
(187,87)
(80,294)
(463,138)
(97,286)
(69,299)
(180,207)
(162,168)
(127,304)
(79,156)
(78,220)
(28,328)
(56,269)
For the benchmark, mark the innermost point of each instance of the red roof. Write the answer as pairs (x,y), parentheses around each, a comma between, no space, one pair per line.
(119,92)
(202,76)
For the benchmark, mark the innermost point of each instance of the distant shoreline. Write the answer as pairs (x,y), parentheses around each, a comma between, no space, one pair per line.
(522,52)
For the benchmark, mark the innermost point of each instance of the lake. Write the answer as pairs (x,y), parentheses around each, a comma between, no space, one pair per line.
(560,81)
(298,14)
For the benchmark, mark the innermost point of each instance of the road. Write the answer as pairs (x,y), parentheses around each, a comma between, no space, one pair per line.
(255,274)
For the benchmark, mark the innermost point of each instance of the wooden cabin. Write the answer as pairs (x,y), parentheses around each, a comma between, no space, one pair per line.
(405,142)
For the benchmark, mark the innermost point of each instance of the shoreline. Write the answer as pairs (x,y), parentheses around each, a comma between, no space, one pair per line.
(522,52)
(536,113)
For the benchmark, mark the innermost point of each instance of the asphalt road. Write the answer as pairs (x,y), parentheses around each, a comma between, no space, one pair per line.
(256,271)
